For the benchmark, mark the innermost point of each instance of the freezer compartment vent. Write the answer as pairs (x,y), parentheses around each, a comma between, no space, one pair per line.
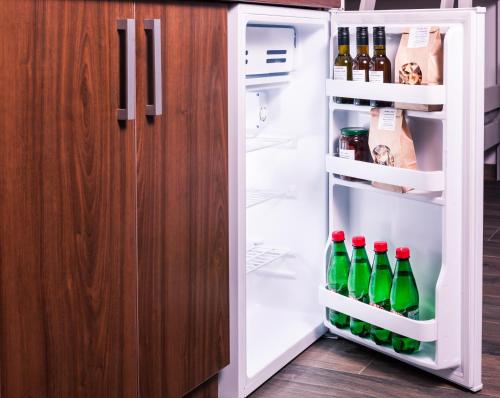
(259,256)
(429,95)
(269,55)
(431,181)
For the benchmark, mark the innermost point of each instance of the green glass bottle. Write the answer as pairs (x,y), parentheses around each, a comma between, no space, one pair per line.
(358,283)
(380,290)
(404,299)
(342,69)
(337,274)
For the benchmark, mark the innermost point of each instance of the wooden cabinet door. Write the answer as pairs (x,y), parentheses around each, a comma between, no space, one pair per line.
(183,201)
(68,277)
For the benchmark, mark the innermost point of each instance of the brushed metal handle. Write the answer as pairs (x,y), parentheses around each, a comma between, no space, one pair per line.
(126,30)
(153,30)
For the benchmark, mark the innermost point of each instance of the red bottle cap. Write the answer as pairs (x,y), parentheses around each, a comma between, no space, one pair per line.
(402,253)
(338,236)
(358,241)
(380,247)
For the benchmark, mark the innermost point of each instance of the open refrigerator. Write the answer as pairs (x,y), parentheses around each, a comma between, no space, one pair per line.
(286,198)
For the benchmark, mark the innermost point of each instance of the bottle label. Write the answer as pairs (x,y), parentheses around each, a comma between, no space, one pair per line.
(387,119)
(359,75)
(418,37)
(347,153)
(376,76)
(340,73)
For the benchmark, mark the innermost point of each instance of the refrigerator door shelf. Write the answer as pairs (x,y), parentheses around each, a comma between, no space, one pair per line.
(419,330)
(430,95)
(423,359)
(441,115)
(435,198)
(432,181)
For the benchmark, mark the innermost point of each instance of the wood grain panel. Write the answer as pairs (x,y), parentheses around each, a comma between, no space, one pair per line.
(294,3)
(209,389)
(68,281)
(182,202)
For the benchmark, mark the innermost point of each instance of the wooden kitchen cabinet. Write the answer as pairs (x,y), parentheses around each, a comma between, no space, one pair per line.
(68,269)
(113,235)
(183,201)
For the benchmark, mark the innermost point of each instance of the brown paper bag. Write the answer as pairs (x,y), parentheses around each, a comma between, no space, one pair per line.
(419,61)
(391,143)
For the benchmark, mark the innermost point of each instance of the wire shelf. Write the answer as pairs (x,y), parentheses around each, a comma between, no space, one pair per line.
(258,256)
(258,196)
(256,143)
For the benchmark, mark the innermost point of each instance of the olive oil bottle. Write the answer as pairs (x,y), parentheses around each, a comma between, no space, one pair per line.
(361,64)
(380,66)
(342,69)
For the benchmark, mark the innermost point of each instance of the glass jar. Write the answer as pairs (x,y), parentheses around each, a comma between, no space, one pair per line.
(353,144)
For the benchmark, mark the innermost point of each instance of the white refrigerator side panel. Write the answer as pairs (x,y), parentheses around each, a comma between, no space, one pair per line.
(232,379)
(472,295)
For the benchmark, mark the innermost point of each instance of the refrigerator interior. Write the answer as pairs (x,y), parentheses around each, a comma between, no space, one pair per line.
(286,187)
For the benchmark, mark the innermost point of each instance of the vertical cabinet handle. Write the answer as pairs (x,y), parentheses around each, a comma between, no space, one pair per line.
(126,31)
(153,32)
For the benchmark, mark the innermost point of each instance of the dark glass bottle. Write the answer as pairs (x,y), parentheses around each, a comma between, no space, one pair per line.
(358,283)
(361,64)
(337,274)
(404,299)
(380,290)
(342,69)
(380,66)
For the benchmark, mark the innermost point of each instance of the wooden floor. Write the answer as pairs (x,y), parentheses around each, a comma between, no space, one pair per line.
(339,368)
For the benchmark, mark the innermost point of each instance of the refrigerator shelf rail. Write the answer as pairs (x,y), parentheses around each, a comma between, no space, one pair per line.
(258,256)
(430,95)
(431,181)
(258,196)
(419,330)
(423,359)
(262,142)
(435,198)
(441,115)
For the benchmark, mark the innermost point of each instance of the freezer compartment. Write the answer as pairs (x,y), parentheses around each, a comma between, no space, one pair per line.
(270,50)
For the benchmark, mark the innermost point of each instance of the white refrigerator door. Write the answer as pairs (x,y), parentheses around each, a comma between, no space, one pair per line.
(441,220)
